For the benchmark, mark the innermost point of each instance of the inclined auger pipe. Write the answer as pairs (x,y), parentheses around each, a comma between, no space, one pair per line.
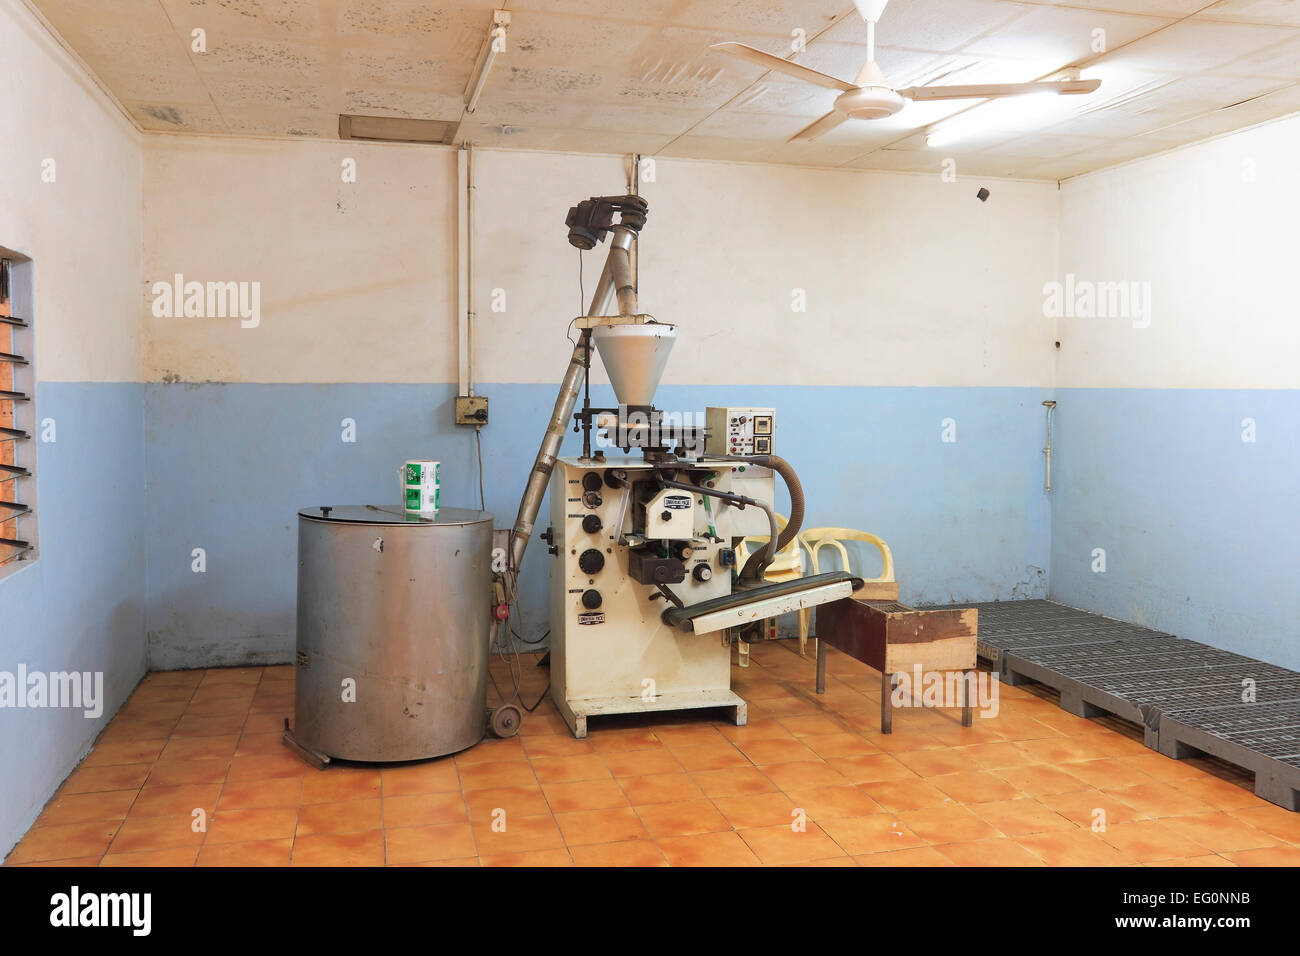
(615,279)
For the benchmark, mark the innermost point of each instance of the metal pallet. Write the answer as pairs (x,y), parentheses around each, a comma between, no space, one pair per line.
(1263,738)
(1187,696)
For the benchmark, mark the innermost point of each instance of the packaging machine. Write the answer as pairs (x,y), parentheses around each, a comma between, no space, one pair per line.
(647,592)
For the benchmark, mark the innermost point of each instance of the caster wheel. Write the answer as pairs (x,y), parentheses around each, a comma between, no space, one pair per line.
(506,720)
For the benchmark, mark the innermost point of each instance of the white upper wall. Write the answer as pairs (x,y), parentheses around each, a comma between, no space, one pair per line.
(83,229)
(909,280)
(1212,229)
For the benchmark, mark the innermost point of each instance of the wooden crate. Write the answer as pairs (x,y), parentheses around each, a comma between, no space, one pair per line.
(894,638)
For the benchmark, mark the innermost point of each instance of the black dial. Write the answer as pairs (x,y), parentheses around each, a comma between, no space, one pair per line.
(591,561)
(592,481)
(591,599)
(591,524)
(702,572)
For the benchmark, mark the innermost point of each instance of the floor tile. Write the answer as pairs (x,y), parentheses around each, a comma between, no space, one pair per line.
(340,849)
(1018,817)
(66,808)
(947,824)
(998,851)
(898,795)
(1073,848)
(258,853)
(680,819)
(421,844)
(1266,856)
(516,834)
(1150,841)
(785,844)
(1220,832)
(733,782)
(708,849)
(584,795)
(641,763)
(632,853)
(246,826)
(600,826)
(660,788)
(64,842)
(842,801)
(912,857)
(871,834)
(423,809)
(348,816)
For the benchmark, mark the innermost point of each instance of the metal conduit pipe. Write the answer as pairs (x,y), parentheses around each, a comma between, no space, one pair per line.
(614,277)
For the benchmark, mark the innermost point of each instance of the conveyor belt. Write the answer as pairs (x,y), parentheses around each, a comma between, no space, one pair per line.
(1189,696)
(682,618)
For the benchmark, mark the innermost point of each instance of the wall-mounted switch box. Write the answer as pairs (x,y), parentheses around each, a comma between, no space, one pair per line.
(471,410)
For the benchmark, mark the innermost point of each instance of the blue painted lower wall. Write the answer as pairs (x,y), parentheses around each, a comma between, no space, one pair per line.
(80,605)
(1199,527)
(1196,524)
(230,465)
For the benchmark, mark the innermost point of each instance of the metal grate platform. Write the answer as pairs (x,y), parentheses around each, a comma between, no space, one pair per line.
(1188,696)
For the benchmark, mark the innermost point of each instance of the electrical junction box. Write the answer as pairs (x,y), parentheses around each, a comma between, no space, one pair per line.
(740,431)
(471,410)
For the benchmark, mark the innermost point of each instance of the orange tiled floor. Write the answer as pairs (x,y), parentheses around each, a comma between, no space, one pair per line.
(1021,789)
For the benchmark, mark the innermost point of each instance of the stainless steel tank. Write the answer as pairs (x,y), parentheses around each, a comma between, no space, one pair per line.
(400,605)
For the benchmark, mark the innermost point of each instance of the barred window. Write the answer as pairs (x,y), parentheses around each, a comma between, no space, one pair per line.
(17,418)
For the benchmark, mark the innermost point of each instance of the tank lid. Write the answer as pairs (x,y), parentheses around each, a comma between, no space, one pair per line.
(392,514)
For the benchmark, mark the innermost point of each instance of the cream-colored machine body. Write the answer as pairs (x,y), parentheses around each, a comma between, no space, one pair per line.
(614,655)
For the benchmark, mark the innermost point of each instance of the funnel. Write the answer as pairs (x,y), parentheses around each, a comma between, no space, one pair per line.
(634,356)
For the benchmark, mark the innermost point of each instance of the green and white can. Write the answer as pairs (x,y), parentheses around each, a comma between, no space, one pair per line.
(421,486)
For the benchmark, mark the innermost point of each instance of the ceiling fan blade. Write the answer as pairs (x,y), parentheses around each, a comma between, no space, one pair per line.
(987,91)
(823,125)
(772,62)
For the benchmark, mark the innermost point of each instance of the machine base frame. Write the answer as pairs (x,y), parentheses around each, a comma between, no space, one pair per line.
(576,712)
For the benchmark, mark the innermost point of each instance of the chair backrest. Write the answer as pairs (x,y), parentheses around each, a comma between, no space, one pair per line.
(814,539)
(787,558)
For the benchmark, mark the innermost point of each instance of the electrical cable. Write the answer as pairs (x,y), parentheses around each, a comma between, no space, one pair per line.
(478,440)
(582,303)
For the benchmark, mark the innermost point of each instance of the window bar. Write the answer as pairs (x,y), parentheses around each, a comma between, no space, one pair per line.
(13,320)
(8,396)
(18,470)
(13,359)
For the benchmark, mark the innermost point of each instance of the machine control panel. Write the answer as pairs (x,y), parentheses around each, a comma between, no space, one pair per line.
(740,431)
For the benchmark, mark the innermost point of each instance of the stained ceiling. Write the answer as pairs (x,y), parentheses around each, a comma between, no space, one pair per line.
(624,76)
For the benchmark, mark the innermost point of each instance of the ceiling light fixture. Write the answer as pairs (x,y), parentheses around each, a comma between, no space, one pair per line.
(494,44)
(1010,115)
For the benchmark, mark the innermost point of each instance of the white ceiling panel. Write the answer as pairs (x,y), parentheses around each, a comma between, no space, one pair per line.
(1281,62)
(1064,35)
(930,26)
(638,75)
(1194,46)
(1256,11)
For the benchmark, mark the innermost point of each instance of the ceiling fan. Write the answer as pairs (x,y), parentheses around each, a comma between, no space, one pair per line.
(870,96)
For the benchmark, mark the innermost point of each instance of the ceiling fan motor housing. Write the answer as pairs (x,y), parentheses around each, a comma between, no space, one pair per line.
(869,102)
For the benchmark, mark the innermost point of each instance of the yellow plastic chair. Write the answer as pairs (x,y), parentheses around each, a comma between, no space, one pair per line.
(786,566)
(814,539)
